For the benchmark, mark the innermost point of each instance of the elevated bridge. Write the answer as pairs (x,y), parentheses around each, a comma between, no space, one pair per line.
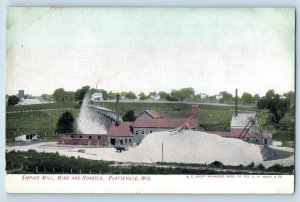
(105,113)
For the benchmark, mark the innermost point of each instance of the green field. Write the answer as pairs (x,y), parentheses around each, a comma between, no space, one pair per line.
(42,118)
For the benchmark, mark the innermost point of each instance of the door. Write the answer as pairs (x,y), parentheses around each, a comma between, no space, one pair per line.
(112,141)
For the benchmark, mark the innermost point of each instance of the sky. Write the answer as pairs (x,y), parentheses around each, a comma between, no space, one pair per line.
(150,49)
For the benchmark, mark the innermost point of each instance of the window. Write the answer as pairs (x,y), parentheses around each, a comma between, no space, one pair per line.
(125,140)
(90,137)
(80,136)
(136,132)
(99,137)
(129,140)
(143,132)
(150,131)
(72,136)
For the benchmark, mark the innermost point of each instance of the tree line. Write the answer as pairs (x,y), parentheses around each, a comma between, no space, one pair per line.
(60,95)
(188,94)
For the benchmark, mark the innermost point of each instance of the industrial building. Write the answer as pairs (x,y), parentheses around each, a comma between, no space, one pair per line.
(246,127)
(132,133)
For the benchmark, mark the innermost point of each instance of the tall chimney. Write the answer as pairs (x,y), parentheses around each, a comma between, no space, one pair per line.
(117,113)
(236,102)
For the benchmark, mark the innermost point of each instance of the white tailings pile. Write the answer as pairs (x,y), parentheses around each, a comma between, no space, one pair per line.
(88,122)
(193,147)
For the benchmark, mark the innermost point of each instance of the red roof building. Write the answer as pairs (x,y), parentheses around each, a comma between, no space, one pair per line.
(124,129)
(149,114)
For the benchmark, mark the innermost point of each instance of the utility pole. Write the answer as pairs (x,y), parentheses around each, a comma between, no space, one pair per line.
(162,152)
(236,102)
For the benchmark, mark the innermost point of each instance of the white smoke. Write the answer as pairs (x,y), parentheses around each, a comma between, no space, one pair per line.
(89,122)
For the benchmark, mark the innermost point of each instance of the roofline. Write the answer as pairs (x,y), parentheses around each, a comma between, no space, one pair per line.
(160,127)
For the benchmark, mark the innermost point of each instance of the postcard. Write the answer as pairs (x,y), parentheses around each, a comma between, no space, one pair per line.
(150,100)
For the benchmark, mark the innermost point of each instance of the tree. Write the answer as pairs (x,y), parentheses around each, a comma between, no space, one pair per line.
(65,123)
(111,95)
(247,98)
(70,96)
(59,95)
(278,107)
(142,96)
(104,94)
(163,95)
(263,103)
(256,98)
(13,100)
(226,96)
(123,93)
(130,95)
(290,97)
(46,97)
(129,116)
(182,94)
(174,94)
(270,94)
(187,93)
(80,93)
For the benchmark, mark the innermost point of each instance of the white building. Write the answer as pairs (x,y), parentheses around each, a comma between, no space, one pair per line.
(203,95)
(155,97)
(219,96)
(26,137)
(29,101)
(97,96)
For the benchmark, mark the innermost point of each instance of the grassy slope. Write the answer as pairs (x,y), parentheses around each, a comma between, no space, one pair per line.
(39,119)
(42,118)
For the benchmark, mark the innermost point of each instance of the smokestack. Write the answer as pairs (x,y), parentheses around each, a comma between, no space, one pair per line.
(236,102)
(117,113)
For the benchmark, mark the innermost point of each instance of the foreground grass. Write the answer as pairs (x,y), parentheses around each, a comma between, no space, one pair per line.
(32,162)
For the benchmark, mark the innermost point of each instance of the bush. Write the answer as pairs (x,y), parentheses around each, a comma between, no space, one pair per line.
(217,164)
(13,100)
(286,124)
(284,136)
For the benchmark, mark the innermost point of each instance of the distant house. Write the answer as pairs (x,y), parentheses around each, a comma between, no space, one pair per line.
(26,137)
(282,97)
(218,96)
(155,97)
(203,96)
(97,96)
